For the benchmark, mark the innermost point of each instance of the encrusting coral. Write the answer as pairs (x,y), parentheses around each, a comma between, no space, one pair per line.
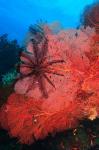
(69,93)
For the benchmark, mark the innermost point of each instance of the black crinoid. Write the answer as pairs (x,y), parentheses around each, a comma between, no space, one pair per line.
(39,64)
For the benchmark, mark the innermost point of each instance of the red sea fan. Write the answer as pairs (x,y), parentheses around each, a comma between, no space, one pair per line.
(20,115)
(90,86)
(29,120)
(38,64)
(3,117)
(47,65)
(94,53)
(63,98)
(91,81)
(77,43)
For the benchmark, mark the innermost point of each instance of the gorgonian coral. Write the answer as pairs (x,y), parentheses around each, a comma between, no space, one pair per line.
(75,95)
(38,68)
(29,120)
